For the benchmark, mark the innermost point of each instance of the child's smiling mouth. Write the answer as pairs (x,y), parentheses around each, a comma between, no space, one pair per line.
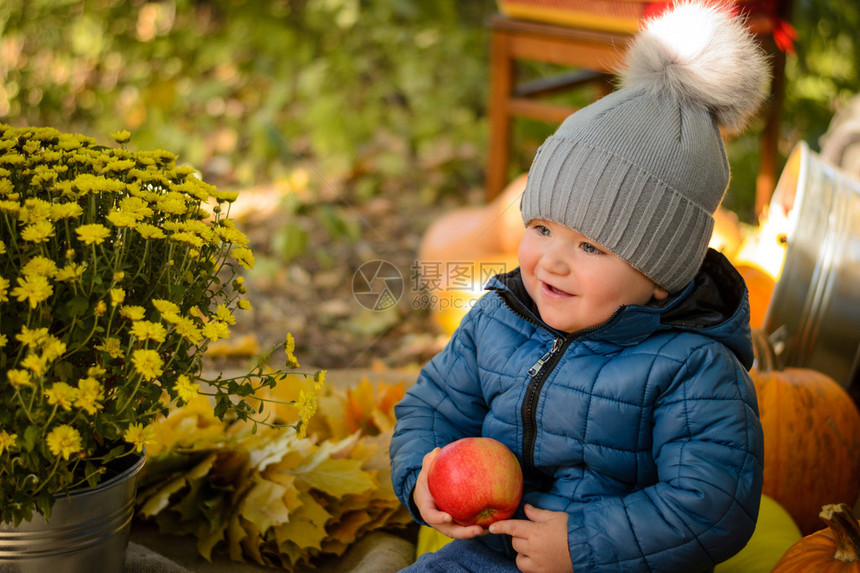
(552,291)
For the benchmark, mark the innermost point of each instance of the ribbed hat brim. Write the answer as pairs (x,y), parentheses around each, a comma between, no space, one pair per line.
(609,199)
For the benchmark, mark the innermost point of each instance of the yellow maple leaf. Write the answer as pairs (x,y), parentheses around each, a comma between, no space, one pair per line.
(306,528)
(161,498)
(207,540)
(264,505)
(338,477)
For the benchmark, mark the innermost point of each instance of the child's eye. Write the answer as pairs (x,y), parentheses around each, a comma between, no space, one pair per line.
(542,230)
(590,249)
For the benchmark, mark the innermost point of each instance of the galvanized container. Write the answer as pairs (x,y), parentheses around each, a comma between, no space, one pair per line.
(813,319)
(87,532)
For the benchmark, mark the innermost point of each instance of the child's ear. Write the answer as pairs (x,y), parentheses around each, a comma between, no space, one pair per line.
(660,293)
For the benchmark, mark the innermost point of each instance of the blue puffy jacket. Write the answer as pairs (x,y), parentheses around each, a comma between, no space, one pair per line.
(644,429)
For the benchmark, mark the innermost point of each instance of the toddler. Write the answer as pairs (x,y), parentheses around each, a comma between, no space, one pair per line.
(613,361)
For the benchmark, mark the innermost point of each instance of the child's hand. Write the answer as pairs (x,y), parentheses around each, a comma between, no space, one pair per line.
(540,541)
(436,518)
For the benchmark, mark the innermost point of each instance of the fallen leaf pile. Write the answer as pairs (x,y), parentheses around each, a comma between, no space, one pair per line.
(266,495)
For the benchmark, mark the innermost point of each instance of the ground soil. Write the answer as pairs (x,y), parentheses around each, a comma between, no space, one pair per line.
(312,295)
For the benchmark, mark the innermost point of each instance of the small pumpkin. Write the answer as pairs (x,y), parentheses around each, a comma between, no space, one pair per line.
(477,232)
(811,437)
(726,236)
(760,286)
(834,549)
(461,286)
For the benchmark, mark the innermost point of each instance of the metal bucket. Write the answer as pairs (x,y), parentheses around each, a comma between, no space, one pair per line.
(813,320)
(87,532)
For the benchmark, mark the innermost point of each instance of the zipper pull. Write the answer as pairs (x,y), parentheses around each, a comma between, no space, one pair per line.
(533,371)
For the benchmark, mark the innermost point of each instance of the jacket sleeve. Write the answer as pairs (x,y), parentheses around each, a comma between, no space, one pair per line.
(445,404)
(708,449)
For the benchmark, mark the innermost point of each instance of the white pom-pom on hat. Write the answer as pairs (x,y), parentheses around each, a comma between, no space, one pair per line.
(702,55)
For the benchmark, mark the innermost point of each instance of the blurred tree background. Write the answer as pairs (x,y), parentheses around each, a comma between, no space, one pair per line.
(373,94)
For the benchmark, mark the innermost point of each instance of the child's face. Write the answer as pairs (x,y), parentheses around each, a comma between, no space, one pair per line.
(576,283)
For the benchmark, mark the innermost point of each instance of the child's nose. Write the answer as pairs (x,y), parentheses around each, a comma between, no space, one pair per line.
(553,261)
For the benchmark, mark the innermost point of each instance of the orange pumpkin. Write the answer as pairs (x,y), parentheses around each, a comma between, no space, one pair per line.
(834,549)
(477,232)
(811,438)
(760,286)
(726,236)
(463,284)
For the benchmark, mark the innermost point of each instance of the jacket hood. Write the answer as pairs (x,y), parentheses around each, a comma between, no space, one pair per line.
(714,304)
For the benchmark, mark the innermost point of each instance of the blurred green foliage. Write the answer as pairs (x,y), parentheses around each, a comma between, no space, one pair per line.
(373,92)
(244,88)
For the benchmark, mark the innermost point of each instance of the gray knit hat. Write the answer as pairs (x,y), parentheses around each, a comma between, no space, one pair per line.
(642,170)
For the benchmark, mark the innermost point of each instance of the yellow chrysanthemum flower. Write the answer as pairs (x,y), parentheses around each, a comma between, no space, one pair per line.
(87,183)
(35,364)
(289,350)
(32,337)
(4,290)
(7,441)
(122,136)
(70,272)
(90,392)
(38,232)
(189,238)
(136,207)
(117,295)
(93,234)
(148,231)
(185,388)
(35,210)
(41,266)
(172,203)
(319,380)
(147,363)
(64,441)
(33,289)
(165,306)
(68,210)
(146,330)
(8,206)
(94,371)
(132,312)
(233,235)
(53,349)
(122,219)
(62,395)
(138,435)
(19,378)
(187,328)
(245,304)
(244,256)
(307,406)
(223,314)
(112,347)
(216,329)
(3,340)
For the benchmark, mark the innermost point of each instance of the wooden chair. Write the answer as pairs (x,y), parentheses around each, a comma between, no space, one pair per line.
(594,55)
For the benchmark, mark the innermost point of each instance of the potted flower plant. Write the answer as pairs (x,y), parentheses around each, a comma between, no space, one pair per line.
(117,269)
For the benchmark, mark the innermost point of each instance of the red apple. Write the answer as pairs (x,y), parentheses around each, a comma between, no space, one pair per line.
(477,481)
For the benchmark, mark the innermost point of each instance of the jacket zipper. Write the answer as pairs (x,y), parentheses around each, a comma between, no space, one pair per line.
(538,374)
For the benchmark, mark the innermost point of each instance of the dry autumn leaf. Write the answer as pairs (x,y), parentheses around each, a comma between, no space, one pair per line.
(271,497)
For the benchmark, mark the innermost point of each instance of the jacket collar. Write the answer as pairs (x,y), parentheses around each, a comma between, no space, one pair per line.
(714,304)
